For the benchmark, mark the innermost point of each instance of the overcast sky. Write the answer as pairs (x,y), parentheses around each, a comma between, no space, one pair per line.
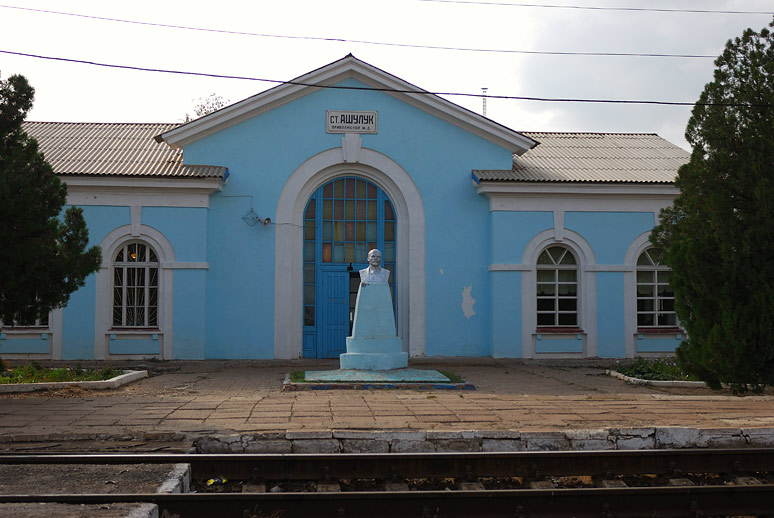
(292,44)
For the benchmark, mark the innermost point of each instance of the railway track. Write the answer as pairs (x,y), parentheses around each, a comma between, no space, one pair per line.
(642,483)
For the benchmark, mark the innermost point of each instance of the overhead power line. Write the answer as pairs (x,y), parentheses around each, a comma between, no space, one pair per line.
(600,8)
(365,42)
(368,88)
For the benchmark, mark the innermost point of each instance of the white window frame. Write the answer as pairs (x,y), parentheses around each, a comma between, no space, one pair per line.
(656,268)
(103,324)
(556,267)
(143,267)
(636,248)
(587,286)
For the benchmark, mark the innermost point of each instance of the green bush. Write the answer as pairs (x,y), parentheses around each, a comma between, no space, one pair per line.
(658,369)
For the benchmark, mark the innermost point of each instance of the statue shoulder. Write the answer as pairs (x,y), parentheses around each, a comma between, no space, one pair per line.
(369,276)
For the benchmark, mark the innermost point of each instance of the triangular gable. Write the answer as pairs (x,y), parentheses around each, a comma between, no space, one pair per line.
(348,67)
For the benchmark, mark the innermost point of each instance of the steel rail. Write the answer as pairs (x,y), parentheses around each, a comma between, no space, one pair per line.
(454,465)
(559,503)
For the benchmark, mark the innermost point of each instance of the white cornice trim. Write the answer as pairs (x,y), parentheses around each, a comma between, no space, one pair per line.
(575,189)
(578,197)
(588,268)
(186,266)
(139,182)
(349,68)
(145,192)
(509,267)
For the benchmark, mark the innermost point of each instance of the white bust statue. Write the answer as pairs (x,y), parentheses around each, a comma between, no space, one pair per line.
(374,273)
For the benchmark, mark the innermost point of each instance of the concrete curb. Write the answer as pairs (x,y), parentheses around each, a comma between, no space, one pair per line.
(656,383)
(178,481)
(352,441)
(405,441)
(144,511)
(123,379)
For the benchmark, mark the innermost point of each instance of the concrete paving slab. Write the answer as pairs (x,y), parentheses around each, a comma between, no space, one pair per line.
(245,397)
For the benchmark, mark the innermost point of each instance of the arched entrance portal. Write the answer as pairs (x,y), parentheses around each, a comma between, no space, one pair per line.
(410,245)
(343,219)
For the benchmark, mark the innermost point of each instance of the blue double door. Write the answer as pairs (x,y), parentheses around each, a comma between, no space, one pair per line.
(344,219)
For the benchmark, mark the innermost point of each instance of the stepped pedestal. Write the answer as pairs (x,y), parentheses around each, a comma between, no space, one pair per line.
(374,344)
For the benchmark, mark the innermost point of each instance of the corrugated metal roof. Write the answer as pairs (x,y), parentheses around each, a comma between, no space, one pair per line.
(593,157)
(113,149)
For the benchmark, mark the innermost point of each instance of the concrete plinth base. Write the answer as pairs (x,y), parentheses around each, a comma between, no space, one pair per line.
(392,379)
(374,361)
(374,344)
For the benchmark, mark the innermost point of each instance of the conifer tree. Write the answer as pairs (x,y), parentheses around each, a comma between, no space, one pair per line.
(718,237)
(43,256)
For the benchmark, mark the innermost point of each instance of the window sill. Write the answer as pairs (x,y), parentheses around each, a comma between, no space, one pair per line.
(660,331)
(25,329)
(126,331)
(559,330)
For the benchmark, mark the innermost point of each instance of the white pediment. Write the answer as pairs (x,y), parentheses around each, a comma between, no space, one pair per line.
(348,67)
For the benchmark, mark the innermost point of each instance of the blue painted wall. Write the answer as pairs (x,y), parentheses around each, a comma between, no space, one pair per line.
(261,154)
(38,344)
(227,311)
(506,314)
(609,233)
(571,344)
(611,334)
(511,232)
(660,344)
(190,318)
(79,314)
(147,346)
(184,227)
(186,230)
(101,220)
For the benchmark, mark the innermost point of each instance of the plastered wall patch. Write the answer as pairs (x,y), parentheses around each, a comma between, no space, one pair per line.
(467,302)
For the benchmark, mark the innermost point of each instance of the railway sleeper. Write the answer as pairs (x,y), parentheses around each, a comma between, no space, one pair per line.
(487,483)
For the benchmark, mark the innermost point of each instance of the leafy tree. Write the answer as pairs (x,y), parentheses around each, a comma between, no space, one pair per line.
(207,105)
(718,237)
(43,259)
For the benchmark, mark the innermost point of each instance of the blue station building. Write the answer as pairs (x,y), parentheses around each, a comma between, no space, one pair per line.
(240,235)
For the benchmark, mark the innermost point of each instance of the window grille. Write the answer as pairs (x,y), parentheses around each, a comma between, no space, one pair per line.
(135,286)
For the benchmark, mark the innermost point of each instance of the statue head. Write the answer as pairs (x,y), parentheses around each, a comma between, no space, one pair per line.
(374,258)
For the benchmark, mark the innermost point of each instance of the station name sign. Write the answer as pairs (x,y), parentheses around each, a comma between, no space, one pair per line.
(351,121)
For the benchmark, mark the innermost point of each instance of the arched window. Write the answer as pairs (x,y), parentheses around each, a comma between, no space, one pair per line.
(655,297)
(557,288)
(135,286)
